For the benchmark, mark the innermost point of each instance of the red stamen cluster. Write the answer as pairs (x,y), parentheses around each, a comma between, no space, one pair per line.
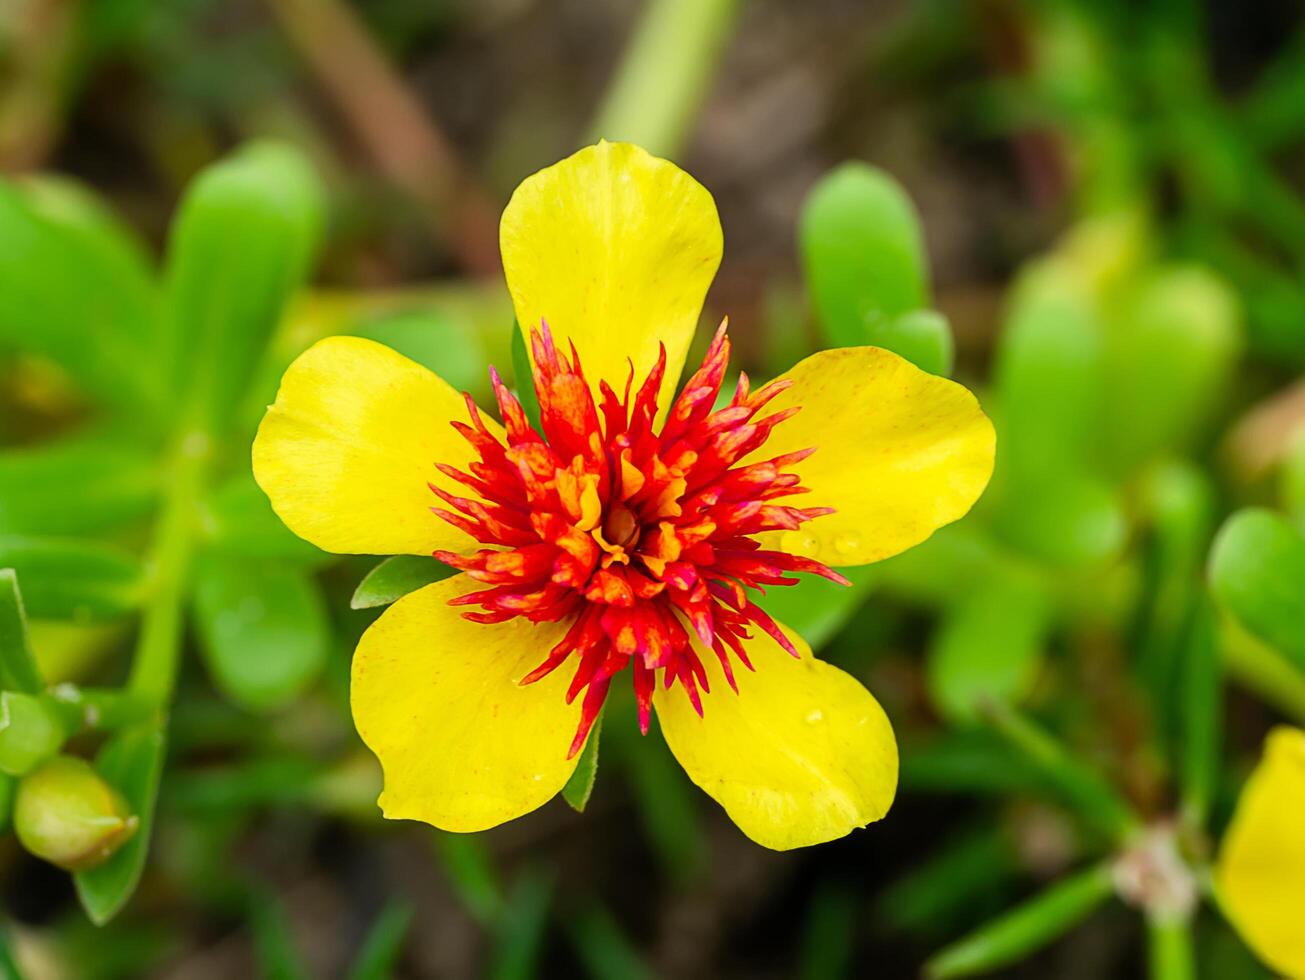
(633,536)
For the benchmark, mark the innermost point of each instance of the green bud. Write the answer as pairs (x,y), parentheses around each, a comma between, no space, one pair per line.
(29,732)
(68,815)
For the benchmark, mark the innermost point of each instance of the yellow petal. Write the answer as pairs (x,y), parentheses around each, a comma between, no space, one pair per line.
(1260,874)
(899,453)
(615,249)
(464,746)
(801,755)
(348,448)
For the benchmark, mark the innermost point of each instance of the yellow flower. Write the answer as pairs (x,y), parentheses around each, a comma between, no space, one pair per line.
(634,531)
(1260,874)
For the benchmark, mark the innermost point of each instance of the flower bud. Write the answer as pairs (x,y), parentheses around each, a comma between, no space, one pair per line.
(67,814)
(29,732)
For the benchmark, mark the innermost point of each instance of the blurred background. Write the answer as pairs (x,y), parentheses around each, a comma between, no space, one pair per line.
(1090,213)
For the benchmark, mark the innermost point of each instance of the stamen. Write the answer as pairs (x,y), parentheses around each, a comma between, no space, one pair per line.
(641,540)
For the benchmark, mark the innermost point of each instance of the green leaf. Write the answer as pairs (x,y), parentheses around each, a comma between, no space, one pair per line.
(923,337)
(448,346)
(8,963)
(1049,379)
(6,805)
(18,669)
(966,871)
(79,486)
(237,519)
(30,732)
(1201,686)
(1169,356)
(667,808)
(829,934)
(1177,500)
(466,863)
(1257,570)
(67,273)
(241,244)
(520,927)
(580,786)
(862,254)
(263,629)
(1293,482)
(133,762)
(395,577)
(605,950)
(384,943)
(274,943)
(988,647)
(1026,929)
(817,608)
(1069,520)
(78,580)
(525,377)
(1077,784)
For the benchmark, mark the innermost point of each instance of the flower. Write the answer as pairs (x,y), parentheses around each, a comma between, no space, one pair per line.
(636,530)
(1260,873)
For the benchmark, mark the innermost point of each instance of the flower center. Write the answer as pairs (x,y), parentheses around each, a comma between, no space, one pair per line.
(642,539)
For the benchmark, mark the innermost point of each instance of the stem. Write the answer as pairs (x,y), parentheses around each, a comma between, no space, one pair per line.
(154,667)
(98,709)
(1169,948)
(664,74)
(1026,928)
(1081,786)
(1262,670)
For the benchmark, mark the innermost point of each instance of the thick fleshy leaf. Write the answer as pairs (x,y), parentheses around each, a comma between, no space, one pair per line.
(580,786)
(1049,378)
(800,755)
(395,577)
(237,519)
(242,242)
(1168,356)
(1257,570)
(132,762)
(899,453)
(76,487)
(348,448)
(863,256)
(615,249)
(447,345)
(264,629)
(67,579)
(988,647)
(464,746)
(67,270)
(18,669)
(1260,874)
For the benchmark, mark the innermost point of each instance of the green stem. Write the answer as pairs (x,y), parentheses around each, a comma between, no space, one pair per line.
(98,709)
(154,668)
(1262,670)
(1025,929)
(1081,786)
(1169,949)
(665,73)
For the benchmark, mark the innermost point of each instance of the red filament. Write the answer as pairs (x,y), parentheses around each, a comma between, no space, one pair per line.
(635,537)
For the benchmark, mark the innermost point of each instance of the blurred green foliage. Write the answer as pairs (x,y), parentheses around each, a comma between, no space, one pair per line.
(1059,666)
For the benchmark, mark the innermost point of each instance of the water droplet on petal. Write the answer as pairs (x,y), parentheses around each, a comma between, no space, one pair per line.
(800,543)
(815,716)
(847,542)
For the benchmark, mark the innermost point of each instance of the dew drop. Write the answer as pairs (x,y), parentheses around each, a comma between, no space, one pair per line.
(815,716)
(847,543)
(800,543)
